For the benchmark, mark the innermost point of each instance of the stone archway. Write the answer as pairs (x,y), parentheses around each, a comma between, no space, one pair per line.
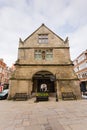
(43,77)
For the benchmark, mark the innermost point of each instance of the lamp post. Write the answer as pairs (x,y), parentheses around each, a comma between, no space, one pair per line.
(56,96)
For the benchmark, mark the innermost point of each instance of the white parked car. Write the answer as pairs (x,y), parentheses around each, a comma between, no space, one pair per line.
(84,95)
(4,94)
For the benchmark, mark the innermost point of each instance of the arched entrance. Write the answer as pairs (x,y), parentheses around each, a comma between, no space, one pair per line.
(44,77)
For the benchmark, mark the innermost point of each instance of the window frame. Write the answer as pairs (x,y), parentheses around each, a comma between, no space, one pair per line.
(43,54)
(42,38)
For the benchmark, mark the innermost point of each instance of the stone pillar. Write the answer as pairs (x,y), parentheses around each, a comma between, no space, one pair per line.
(30,87)
(58,89)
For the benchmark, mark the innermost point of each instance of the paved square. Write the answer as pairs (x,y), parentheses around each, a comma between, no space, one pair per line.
(49,115)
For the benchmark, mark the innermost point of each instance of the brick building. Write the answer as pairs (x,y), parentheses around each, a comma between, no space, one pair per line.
(80,67)
(4,74)
(3,78)
(44,58)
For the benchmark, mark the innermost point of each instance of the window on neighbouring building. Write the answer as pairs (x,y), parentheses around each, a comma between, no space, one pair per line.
(81,58)
(82,66)
(76,69)
(43,38)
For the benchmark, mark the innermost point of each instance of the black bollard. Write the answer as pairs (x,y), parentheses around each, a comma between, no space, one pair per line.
(56,98)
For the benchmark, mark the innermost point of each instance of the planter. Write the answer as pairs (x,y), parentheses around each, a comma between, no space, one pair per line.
(42,96)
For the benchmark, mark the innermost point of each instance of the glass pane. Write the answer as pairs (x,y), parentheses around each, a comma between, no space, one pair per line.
(43,38)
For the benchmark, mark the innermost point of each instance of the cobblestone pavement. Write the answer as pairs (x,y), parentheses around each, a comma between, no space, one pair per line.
(50,115)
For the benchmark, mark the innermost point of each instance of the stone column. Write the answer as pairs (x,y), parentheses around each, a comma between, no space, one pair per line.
(58,89)
(30,87)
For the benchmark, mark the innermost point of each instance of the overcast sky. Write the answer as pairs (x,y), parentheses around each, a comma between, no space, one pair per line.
(19,18)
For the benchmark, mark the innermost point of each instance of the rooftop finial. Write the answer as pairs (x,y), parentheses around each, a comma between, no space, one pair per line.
(42,24)
(66,40)
(20,40)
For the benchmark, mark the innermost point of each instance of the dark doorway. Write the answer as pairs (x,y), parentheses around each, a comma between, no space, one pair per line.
(43,77)
(83,86)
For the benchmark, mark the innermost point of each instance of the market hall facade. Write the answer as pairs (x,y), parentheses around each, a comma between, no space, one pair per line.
(44,58)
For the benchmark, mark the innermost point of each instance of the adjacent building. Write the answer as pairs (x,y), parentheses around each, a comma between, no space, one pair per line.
(80,67)
(3,77)
(5,73)
(44,58)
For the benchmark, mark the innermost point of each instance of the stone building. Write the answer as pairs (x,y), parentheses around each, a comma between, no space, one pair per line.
(44,58)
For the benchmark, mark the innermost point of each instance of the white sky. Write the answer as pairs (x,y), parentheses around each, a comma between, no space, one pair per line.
(19,18)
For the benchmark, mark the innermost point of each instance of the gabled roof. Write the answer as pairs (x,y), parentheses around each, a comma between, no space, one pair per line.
(45,27)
